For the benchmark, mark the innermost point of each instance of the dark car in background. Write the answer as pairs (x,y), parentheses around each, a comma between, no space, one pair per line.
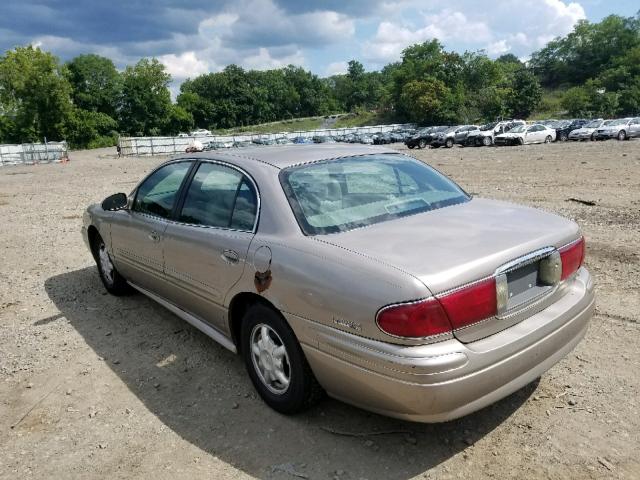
(424,137)
(565,127)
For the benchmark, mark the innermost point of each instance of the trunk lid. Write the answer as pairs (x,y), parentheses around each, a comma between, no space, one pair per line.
(456,245)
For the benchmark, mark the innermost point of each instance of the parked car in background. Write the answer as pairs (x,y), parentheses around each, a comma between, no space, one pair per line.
(201,132)
(619,128)
(461,135)
(587,131)
(484,135)
(526,134)
(564,127)
(423,138)
(408,317)
(447,138)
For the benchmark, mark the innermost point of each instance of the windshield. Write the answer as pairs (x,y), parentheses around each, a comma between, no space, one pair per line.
(518,129)
(339,195)
(593,124)
(622,121)
(488,126)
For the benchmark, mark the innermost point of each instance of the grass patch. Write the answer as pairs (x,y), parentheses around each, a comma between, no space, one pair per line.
(550,106)
(361,119)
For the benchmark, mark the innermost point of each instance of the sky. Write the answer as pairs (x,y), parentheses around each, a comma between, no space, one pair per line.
(192,37)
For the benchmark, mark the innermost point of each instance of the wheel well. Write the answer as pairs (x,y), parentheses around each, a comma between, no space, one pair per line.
(93,234)
(238,307)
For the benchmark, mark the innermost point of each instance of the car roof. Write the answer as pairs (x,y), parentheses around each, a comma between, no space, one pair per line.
(283,156)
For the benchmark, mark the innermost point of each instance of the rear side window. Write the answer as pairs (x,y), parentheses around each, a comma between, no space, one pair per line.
(157,194)
(221,197)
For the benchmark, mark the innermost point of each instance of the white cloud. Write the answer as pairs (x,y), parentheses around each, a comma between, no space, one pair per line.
(519,26)
(185,65)
(263,60)
(336,68)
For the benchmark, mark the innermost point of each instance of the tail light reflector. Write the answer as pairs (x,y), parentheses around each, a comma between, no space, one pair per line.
(414,320)
(572,257)
(471,304)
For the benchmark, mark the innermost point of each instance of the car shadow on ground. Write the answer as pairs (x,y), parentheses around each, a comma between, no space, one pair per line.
(201,391)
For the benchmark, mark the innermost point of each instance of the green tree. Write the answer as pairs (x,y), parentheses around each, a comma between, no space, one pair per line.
(95,84)
(577,102)
(525,94)
(145,101)
(89,129)
(34,96)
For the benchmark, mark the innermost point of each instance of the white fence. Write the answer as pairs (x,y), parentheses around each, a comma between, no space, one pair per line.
(32,153)
(139,146)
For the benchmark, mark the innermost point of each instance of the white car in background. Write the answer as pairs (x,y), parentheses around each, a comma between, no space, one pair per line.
(525,134)
(587,131)
(201,132)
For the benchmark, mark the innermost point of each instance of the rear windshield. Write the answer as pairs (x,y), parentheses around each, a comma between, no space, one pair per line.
(339,195)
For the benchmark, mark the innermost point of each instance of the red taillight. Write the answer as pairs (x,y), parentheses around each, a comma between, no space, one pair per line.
(572,257)
(471,304)
(418,320)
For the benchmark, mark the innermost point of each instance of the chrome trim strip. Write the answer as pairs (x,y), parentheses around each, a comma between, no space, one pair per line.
(191,319)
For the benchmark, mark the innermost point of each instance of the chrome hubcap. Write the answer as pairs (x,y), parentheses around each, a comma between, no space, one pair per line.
(105,264)
(270,359)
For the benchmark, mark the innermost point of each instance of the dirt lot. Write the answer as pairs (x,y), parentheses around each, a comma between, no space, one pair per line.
(93,386)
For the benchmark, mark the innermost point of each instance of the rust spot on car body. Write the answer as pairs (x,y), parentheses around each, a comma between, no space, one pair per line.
(262,281)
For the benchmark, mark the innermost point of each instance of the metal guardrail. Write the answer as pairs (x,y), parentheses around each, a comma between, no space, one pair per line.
(142,146)
(33,153)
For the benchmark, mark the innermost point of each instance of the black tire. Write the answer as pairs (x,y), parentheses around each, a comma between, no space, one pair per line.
(113,282)
(548,139)
(422,143)
(411,146)
(593,137)
(487,141)
(303,389)
(520,141)
(449,143)
(622,135)
(563,137)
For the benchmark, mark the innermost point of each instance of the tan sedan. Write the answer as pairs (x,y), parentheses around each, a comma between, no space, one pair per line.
(351,270)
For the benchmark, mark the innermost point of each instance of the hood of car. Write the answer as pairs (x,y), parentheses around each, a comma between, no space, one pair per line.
(455,245)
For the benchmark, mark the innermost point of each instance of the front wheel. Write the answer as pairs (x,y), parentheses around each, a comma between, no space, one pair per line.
(115,283)
(563,137)
(411,146)
(486,141)
(275,362)
(622,135)
(548,139)
(422,143)
(449,143)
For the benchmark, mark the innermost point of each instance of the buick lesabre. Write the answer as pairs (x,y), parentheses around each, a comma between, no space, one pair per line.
(351,270)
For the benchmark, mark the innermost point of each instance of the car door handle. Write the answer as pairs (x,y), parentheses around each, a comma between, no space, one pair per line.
(230,256)
(154,237)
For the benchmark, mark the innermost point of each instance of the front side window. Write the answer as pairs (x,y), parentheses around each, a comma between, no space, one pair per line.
(220,196)
(339,195)
(157,194)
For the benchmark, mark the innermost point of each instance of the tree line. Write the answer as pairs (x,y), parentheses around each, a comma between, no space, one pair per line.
(88,102)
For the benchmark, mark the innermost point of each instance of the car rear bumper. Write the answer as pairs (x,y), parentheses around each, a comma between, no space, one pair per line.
(448,379)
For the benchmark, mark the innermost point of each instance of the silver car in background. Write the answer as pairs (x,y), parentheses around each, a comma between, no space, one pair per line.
(587,131)
(622,129)
(351,270)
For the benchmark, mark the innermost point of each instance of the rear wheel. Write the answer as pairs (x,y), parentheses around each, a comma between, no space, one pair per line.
(486,141)
(411,146)
(422,143)
(275,362)
(115,283)
(622,135)
(449,143)
(563,137)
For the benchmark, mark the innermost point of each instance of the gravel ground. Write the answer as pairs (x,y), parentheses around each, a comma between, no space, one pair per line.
(94,386)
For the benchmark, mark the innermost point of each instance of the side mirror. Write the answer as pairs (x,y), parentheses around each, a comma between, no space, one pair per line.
(115,202)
